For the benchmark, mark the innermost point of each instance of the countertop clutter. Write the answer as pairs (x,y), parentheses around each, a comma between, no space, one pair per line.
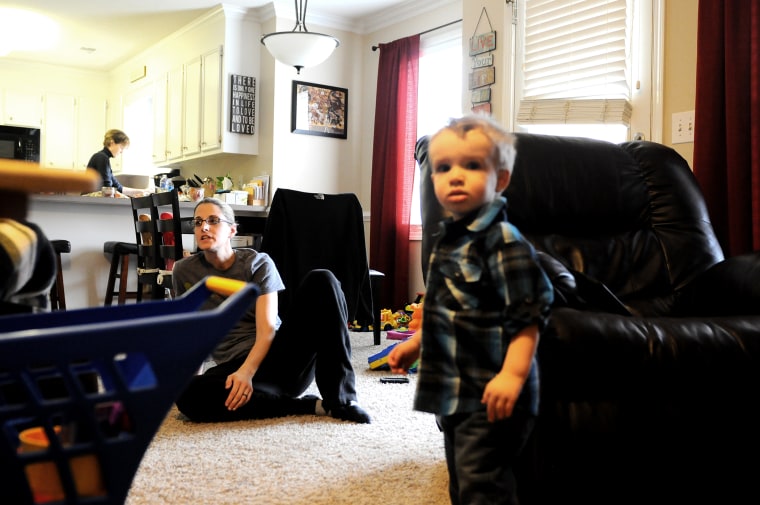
(85,200)
(192,188)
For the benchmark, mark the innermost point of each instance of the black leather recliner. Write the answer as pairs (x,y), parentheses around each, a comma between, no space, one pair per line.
(650,364)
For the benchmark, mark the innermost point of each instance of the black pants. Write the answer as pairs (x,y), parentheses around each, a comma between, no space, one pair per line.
(480,456)
(314,343)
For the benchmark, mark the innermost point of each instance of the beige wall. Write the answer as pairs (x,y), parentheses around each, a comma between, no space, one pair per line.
(680,67)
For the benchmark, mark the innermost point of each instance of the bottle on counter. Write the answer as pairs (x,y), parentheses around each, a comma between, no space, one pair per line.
(165,184)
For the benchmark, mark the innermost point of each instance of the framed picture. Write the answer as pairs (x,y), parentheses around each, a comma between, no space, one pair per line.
(317,109)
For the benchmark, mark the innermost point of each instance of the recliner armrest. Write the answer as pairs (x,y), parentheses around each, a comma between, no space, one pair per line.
(728,288)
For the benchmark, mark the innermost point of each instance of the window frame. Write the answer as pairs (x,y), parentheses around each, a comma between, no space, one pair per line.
(449,39)
(646,45)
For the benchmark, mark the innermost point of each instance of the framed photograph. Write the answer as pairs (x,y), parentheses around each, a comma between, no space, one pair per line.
(317,109)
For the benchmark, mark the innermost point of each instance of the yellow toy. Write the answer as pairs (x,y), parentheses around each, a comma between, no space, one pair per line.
(393,320)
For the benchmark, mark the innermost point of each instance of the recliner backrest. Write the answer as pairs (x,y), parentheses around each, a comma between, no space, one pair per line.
(631,215)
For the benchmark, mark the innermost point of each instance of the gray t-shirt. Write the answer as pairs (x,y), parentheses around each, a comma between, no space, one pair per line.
(249,266)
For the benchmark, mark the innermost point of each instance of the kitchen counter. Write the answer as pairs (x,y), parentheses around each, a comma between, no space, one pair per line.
(87,222)
(240,210)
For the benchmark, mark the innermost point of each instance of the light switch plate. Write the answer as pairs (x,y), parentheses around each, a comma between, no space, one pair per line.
(683,127)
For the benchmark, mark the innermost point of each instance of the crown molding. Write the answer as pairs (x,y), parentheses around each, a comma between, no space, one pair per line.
(405,10)
(362,26)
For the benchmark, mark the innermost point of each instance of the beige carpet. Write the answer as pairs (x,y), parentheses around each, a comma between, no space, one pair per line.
(398,459)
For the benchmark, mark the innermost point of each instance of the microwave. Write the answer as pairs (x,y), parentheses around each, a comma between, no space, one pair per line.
(20,143)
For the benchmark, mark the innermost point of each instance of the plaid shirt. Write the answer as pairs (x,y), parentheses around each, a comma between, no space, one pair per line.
(484,285)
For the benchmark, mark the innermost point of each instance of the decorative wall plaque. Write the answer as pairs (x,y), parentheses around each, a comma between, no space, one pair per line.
(482,43)
(242,104)
(483,73)
(482,77)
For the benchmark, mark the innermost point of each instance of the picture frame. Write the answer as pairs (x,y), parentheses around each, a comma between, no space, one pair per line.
(318,109)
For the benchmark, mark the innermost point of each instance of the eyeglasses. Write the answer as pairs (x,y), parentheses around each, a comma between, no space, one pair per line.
(211,220)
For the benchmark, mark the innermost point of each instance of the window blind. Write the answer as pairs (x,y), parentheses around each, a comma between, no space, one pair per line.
(576,62)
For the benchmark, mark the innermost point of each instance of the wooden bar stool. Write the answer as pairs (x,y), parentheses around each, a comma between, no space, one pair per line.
(57,291)
(120,252)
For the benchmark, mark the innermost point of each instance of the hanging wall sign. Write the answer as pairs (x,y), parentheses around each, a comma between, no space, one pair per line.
(482,43)
(483,73)
(481,95)
(242,104)
(482,61)
(482,77)
(482,108)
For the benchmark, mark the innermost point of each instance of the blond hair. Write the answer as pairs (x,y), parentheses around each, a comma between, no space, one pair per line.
(117,137)
(504,151)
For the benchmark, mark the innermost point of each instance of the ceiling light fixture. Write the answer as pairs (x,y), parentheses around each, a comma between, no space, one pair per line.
(300,48)
(23,30)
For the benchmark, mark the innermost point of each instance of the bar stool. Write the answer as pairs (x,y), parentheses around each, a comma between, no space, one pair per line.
(57,292)
(120,252)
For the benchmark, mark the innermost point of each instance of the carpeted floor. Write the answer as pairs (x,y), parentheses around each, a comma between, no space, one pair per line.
(396,460)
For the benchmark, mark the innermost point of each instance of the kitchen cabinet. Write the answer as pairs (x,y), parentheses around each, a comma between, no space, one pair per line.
(91,127)
(22,108)
(59,131)
(73,130)
(159,120)
(211,130)
(187,109)
(174,114)
(191,143)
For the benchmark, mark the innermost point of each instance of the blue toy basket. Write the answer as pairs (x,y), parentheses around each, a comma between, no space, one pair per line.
(83,392)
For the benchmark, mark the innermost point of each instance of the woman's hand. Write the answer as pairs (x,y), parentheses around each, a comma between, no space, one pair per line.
(241,389)
(240,383)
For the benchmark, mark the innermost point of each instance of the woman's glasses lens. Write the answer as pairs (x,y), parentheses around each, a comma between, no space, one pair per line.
(211,220)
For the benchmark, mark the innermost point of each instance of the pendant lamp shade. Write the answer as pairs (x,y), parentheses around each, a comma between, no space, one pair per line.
(300,48)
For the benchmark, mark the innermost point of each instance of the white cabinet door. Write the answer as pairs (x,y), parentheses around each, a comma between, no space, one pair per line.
(211,132)
(174,114)
(22,108)
(59,131)
(159,120)
(192,108)
(91,128)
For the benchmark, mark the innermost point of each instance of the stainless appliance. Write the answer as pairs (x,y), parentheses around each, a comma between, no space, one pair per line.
(20,143)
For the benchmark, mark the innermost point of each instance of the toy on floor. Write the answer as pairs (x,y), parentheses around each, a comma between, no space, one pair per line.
(398,334)
(415,322)
(393,320)
(379,361)
(417,301)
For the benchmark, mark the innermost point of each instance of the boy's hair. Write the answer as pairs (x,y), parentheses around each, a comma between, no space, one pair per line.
(504,151)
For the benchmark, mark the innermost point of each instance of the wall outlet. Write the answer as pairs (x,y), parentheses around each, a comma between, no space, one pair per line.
(683,127)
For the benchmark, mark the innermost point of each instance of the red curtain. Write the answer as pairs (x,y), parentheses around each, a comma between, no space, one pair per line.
(727,120)
(393,167)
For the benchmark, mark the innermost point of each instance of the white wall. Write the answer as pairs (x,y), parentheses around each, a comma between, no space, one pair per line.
(312,163)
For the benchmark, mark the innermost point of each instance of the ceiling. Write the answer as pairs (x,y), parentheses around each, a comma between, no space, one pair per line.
(100,35)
